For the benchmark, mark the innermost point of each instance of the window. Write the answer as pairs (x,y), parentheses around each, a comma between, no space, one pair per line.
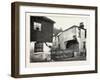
(37,26)
(79,33)
(38,47)
(84,45)
(85,33)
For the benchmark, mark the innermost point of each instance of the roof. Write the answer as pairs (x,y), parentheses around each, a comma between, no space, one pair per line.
(44,18)
(59,33)
(68,29)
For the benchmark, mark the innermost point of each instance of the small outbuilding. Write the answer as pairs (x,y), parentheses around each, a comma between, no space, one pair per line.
(41,29)
(41,32)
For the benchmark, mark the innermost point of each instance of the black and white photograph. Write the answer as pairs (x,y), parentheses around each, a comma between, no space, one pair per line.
(53,39)
(58,38)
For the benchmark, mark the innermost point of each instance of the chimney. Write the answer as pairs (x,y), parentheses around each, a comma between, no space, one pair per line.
(81,25)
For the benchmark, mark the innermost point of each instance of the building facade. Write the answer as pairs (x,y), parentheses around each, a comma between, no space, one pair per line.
(41,35)
(73,38)
(41,29)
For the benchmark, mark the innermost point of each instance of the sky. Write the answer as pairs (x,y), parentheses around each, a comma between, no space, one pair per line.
(66,21)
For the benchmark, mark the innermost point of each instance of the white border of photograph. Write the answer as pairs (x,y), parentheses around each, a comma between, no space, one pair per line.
(35,68)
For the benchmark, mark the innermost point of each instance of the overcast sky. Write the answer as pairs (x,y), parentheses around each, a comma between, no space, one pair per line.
(64,22)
